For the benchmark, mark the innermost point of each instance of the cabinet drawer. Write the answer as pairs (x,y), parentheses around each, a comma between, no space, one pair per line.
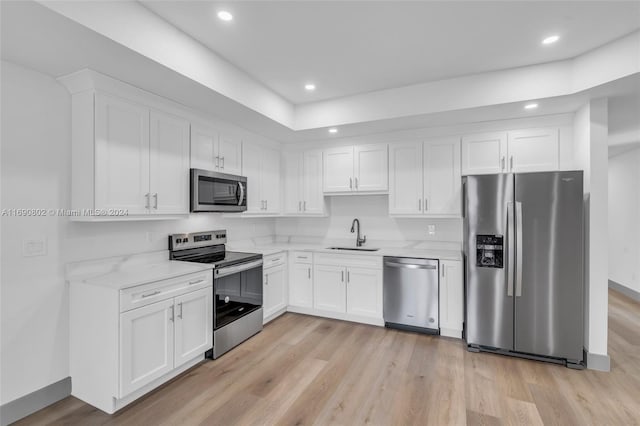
(302,257)
(146,294)
(348,260)
(274,260)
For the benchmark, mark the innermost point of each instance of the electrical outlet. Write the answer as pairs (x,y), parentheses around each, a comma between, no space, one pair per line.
(431,229)
(34,247)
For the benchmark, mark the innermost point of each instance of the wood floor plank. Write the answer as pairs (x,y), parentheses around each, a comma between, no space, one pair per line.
(307,370)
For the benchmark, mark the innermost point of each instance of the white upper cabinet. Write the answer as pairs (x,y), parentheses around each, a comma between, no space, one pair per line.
(371,168)
(302,175)
(529,150)
(442,178)
(169,164)
(405,178)
(141,158)
(215,151)
(484,153)
(534,150)
(362,168)
(121,155)
(261,166)
(425,178)
(338,169)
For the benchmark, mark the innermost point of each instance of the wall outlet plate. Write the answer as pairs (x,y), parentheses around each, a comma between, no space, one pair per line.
(431,229)
(34,247)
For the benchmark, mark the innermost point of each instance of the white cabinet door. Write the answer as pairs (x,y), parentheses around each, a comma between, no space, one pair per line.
(301,285)
(292,178)
(312,196)
(274,290)
(204,147)
(270,180)
(442,178)
(364,292)
(451,298)
(146,345)
(405,178)
(251,169)
(534,150)
(484,153)
(193,325)
(169,164)
(371,168)
(338,170)
(329,288)
(230,153)
(121,155)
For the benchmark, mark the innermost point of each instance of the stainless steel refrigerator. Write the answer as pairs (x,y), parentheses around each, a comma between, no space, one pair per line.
(523,246)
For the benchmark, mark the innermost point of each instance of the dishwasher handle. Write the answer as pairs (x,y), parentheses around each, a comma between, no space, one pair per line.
(408,266)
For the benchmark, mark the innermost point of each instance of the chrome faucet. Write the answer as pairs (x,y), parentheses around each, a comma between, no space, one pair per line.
(359,241)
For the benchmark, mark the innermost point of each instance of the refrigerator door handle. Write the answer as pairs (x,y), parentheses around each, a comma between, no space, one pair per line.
(510,244)
(518,249)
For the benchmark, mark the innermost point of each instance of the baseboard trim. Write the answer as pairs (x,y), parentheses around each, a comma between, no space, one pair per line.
(598,362)
(635,295)
(30,403)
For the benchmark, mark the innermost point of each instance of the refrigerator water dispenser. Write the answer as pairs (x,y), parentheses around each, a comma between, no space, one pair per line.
(489,251)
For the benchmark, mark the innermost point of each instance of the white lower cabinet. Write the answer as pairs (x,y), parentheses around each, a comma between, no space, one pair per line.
(329,291)
(348,287)
(124,343)
(301,280)
(274,281)
(451,298)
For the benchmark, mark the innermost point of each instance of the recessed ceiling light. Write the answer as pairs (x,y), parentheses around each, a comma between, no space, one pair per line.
(333,130)
(551,39)
(531,106)
(310,87)
(225,16)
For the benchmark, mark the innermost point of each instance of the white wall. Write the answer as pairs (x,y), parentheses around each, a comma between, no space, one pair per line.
(373,213)
(624,212)
(590,144)
(36,173)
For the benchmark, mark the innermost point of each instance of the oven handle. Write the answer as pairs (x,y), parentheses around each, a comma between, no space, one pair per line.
(229,270)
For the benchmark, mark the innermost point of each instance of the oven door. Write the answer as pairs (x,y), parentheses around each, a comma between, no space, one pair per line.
(237,292)
(217,192)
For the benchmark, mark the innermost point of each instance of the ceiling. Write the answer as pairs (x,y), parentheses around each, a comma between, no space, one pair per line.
(349,47)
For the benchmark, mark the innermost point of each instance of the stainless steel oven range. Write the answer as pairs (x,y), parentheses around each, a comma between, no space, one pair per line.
(237,286)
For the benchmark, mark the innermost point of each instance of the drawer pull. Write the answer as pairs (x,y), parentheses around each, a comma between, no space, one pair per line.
(195,282)
(152,293)
(275,260)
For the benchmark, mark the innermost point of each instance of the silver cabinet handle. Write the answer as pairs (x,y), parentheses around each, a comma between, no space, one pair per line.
(304,206)
(426,205)
(266,279)
(180,310)
(261,204)
(155,198)
(348,276)
(217,161)
(511,161)
(171,318)
(342,279)
(419,204)
(502,163)
(148,203)
(356,179)
(350,183)
(299,205)
(443,271)
(518,249)
(153,293)
(195,282)
(309,273)
(222,162)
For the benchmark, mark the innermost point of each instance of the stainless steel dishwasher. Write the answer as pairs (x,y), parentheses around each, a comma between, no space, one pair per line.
(411,288)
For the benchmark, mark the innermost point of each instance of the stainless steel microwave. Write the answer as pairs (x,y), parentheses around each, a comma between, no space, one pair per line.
(217,192)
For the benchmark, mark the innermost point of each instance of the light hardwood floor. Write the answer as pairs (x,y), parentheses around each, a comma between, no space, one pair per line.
(307,370)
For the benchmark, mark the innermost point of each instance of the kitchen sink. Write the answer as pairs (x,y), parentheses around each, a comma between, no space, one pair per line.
(353,248)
